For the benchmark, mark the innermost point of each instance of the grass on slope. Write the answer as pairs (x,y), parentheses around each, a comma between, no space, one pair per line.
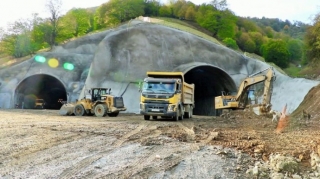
(181,25)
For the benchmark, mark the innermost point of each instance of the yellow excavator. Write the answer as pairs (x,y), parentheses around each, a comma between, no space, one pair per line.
(241,99)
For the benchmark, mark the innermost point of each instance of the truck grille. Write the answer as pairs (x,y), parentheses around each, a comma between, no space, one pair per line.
(118,102)
(156,108)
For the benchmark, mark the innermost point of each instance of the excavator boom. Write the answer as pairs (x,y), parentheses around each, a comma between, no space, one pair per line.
(238,102)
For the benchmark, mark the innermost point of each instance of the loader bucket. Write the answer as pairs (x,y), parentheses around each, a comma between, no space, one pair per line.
(67,110)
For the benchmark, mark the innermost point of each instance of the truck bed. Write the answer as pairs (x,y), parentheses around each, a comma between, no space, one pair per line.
(188,93)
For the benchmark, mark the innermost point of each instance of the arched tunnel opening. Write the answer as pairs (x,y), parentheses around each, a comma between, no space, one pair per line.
(209,82)
(40,91)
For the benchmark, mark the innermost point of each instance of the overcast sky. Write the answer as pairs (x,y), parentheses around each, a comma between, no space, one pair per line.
(301,10)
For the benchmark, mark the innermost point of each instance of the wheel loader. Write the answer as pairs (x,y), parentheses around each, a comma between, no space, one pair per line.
(99,102)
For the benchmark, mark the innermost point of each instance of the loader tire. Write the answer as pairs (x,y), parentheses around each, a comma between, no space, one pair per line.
(100,110)
(79,110)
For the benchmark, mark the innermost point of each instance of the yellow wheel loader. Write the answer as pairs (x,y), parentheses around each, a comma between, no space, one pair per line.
(100,103)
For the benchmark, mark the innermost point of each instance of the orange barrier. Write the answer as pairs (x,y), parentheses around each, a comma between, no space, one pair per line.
(283,121)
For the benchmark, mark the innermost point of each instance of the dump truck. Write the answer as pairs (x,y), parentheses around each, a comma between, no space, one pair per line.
(100,102)
(39,104)
(240,100)
(167,95)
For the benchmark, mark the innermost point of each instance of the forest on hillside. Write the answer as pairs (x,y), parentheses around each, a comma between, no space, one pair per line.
(277,41)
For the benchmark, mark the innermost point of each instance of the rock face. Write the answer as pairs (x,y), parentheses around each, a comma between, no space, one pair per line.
(119,58)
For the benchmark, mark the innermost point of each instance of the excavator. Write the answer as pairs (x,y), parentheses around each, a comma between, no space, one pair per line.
(241,98)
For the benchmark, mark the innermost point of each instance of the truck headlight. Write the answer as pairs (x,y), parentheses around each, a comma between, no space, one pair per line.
(171,107)
(141,107)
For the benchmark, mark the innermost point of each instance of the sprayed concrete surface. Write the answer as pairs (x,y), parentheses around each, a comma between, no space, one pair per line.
(42,144)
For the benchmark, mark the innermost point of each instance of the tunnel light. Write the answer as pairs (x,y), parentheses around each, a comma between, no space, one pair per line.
(53,63)
(68,66)
(40,59)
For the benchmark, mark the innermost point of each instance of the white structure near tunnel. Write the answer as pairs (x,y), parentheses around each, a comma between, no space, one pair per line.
(119,58)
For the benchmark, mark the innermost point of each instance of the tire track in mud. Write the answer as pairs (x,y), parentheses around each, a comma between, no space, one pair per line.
(156,153)
(191,134)
(120,141)
(24,155)
(135,166)
(173,158)
(70,172)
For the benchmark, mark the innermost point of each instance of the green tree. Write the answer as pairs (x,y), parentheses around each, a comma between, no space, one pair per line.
(312,40)
(18,41)
(295,48)
(269,31)
(41,34)
(276,51)
(229,42)
(100,17)
(191,13)
(179,8)
(151,8)
(246,43)
(220,5)
(226,25)
(258,39)
(118,11)
(207,17)
(165,11)
(54,8)
(77,22)
(246,25)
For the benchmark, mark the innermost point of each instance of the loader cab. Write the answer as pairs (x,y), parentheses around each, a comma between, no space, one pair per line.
(98,94)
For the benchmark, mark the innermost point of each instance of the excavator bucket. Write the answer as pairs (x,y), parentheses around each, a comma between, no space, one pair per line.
(256,110)
(261,109)
(67,109)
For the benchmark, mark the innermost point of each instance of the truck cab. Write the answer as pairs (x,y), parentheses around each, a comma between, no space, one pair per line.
(165,94)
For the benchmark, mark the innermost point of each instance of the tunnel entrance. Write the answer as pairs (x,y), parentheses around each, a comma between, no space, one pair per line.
(209,82)
(40,91)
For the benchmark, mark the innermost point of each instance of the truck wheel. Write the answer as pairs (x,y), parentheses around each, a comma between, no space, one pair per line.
(79,110)
(176,118)
(181,115)
(115,114)
(100,110)
(146,117)
(154,117)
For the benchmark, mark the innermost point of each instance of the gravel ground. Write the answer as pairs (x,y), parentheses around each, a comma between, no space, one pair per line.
(42,144)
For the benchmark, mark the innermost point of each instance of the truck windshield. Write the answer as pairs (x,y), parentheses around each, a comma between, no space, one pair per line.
(158,87)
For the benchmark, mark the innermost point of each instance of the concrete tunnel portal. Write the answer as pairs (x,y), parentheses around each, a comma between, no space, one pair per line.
(209,82)
(41,86)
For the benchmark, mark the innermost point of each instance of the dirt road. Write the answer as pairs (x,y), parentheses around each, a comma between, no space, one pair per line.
(42,144)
